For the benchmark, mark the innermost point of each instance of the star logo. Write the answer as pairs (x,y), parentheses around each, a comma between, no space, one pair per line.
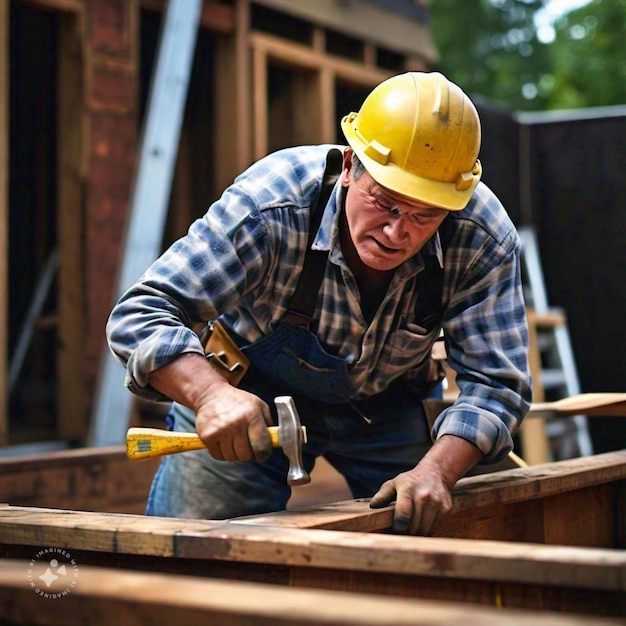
(48,577)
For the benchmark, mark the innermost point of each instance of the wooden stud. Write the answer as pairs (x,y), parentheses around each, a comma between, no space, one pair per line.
(4,221)
(535,447)
(233,101)
(72,120)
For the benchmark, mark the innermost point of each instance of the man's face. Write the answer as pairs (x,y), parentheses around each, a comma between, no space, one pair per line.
(386,228)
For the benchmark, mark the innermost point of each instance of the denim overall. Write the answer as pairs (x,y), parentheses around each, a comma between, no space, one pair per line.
(367,442)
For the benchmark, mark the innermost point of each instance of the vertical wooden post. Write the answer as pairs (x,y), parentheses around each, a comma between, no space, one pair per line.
(260,113)
(233,94)
(70,216)
(4,218)
(535,448)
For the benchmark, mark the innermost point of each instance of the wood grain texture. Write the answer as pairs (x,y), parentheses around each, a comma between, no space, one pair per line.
(109,597)
(89,479)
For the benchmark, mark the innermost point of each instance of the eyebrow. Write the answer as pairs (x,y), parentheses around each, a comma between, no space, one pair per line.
(424,211)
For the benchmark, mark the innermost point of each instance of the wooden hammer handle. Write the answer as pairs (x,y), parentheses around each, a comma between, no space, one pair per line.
(147,443)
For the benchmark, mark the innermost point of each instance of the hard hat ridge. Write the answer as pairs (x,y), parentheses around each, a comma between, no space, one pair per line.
(418,134)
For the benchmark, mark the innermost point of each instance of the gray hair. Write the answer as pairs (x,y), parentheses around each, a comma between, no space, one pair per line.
(357,166)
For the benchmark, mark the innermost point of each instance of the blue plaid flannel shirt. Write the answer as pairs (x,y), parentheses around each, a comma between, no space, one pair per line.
(241,262)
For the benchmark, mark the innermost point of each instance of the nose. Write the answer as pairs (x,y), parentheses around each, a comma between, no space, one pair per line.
(395,229)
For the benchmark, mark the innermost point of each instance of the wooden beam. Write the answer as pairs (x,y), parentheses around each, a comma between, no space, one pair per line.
(104,596)
(4,220)
(500,573)
(93,479)
(72,164)
(233,101)
(305,57)
(365,21)
(215,16)
(535,445)
(572,502)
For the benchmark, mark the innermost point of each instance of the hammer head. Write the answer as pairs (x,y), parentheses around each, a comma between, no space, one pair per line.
(291,436)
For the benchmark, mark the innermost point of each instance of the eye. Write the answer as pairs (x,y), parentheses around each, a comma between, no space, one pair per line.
(386,207)
(421,220)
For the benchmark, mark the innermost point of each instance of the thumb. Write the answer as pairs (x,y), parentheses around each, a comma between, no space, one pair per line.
(384,497)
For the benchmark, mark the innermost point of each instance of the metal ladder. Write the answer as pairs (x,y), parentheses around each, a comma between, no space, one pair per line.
(568,438)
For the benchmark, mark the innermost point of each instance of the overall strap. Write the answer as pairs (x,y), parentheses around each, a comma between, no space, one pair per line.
(430,280)
(305,296)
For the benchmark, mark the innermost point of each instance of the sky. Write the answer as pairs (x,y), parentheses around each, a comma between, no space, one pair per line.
(545,18)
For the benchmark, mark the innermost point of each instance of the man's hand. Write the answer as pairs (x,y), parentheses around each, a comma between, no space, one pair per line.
(233,426)
(423,495)
(231,422)
(422,500)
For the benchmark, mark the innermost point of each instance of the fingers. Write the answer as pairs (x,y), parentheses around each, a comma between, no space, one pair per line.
(234,428)
(384,497)
(419,508)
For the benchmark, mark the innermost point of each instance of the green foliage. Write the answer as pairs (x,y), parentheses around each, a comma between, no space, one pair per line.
(589,56)
(492,49)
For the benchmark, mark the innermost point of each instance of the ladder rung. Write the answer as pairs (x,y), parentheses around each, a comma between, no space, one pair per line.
(552,378)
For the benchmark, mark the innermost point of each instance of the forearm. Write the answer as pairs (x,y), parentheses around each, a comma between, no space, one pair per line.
(189,380)
(451,457)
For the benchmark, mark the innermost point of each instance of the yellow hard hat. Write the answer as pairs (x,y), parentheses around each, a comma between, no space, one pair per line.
(418,134)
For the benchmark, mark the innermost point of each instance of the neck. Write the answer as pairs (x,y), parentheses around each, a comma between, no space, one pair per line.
(372,284)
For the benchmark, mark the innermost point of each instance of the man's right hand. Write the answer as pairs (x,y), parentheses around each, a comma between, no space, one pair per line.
(231,422)
(233,425)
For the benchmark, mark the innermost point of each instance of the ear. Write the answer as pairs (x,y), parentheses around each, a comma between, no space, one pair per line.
(346,168)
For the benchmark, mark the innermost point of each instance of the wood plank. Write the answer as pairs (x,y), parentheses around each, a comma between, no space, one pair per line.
(514,505)
(4,220)
(214,15)
(387,28)
(535,445)
(109,597)
(72,158)
(532,576)
(94,479)
(233,101)
(305,57)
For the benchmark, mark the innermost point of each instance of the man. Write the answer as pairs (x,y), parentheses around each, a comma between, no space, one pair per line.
(410,243)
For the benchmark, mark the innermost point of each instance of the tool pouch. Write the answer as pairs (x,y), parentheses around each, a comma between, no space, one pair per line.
(224,354)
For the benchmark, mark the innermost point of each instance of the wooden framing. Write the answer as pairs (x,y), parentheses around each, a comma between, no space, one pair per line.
(313,108)
(72,127)
(98,128)
(547,537)
(111,597)
(90,479)
(233,116)
(4,220)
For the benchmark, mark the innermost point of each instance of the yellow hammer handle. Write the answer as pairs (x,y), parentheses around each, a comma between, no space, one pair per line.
(147,443)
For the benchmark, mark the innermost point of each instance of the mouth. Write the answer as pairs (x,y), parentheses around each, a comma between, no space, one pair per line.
(385,248)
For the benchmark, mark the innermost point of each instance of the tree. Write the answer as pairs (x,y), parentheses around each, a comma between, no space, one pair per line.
(589,56)
(491,48)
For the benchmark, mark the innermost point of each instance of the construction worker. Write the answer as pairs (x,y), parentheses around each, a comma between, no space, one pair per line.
(410,247)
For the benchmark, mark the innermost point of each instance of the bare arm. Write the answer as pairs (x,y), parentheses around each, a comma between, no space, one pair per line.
(423,495)
(231,422)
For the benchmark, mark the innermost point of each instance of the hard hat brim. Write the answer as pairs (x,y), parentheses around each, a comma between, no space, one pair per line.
(445,195)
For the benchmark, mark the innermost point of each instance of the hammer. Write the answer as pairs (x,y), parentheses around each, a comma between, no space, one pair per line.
(147,443)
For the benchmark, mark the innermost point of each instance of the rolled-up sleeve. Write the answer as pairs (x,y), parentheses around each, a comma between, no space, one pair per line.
(222,257)
(486,337)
